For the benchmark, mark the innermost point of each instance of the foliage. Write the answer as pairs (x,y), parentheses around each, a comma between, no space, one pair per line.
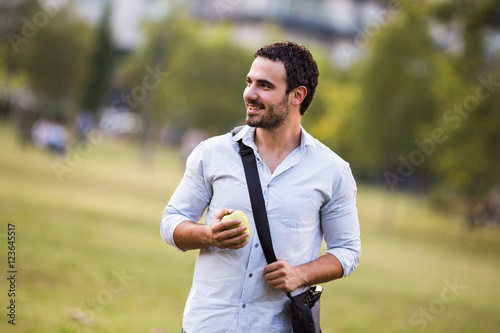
(470,116)
(334,102)
(206,84)
(411,115)
(101,65)
(396,97)
(406,115)
(49,49)
(205,75)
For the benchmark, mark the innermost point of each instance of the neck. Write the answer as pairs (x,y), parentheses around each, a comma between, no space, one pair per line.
(278,141)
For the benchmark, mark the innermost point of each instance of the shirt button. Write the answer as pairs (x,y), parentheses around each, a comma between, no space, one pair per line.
(250,275)
(268,186)
(244,306)
(256,245)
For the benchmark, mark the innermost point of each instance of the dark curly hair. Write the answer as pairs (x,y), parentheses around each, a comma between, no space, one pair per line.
(301,69)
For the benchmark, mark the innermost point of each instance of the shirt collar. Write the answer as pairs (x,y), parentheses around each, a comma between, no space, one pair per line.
(247,134)
(306,140)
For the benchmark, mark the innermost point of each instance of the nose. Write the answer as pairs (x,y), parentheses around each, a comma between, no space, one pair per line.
(250,93)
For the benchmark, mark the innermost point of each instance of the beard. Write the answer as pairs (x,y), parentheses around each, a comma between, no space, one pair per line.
(272,118)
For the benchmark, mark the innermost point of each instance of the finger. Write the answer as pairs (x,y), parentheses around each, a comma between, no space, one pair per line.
(222,226)
(238,246)
(275,275)
(274,272)
(231,237)
(234,243)
(229,223)
(273,266)
(277,284)
(223,212)
(241,238)
(222,232)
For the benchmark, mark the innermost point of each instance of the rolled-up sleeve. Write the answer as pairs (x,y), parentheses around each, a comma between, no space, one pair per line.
(340,224)
(189,200)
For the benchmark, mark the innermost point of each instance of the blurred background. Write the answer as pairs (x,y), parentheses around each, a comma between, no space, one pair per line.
(102,101)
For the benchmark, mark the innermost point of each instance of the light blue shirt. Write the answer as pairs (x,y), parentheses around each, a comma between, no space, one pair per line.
(310,195)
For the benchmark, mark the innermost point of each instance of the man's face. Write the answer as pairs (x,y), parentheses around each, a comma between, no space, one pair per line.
(266,103)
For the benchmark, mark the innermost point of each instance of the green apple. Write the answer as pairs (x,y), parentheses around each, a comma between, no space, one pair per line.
(238,214)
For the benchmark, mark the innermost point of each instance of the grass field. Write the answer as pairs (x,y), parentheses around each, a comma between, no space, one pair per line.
(89,257)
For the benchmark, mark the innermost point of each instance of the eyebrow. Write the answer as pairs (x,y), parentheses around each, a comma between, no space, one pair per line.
(262,81)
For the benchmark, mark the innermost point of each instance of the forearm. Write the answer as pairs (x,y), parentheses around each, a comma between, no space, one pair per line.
(282,276)
(326,268)
(190,235)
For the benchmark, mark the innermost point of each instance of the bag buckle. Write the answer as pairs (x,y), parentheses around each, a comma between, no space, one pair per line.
(244,149)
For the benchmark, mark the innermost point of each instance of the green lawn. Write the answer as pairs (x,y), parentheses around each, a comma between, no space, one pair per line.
(90,257)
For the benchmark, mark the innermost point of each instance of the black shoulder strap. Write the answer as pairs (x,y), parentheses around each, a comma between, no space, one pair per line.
(256,198)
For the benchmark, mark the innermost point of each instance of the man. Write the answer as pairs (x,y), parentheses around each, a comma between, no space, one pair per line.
(309,193)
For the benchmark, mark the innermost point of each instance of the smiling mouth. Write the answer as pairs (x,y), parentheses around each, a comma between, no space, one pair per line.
(254,107)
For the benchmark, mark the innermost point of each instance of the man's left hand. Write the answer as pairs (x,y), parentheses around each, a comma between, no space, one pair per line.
(282,276)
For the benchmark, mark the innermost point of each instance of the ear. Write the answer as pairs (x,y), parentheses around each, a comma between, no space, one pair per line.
(298,95)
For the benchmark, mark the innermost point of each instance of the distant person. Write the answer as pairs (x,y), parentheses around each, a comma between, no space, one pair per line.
(309,193)
(192,138)
(40,133)
(84,121)
(170,135)
(57,138)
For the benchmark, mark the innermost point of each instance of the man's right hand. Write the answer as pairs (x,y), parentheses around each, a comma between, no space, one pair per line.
(190,235)
(224,238)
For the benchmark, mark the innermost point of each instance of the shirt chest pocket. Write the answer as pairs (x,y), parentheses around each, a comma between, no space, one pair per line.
(301,210)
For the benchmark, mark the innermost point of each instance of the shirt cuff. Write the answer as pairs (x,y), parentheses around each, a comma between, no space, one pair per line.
(168,226)
(348,258)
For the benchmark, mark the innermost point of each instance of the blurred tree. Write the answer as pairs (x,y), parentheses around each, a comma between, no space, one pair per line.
(54,62)
(396,100)
(469,163)
(44,51)
(332,109)
(143,73)
(202,76)
(474,17)
(101,66)
(206,81)
(48,47)
(16,29)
